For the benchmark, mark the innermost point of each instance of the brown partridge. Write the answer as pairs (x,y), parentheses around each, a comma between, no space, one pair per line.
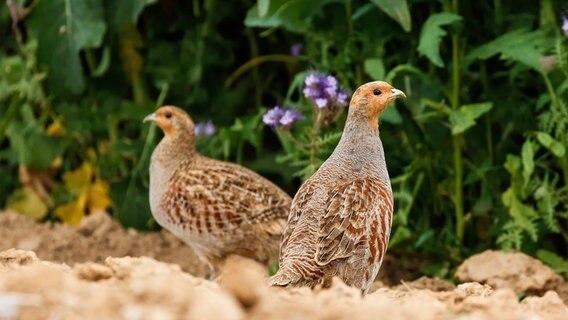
(217,208)
(340,219)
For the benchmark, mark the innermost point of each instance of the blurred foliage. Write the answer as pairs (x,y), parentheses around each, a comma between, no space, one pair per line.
(477,153)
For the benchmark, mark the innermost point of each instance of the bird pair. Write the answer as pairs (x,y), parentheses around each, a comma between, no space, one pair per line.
(338,223)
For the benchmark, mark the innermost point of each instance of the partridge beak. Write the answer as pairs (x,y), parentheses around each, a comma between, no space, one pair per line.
(150,118)
(397,93)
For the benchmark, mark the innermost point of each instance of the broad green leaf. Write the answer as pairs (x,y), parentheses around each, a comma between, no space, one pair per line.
(527,157)
(124,12)
(519,45)
(432,33)
(464,117)
(391,115)
(63,28)
(293,15)
(263,6)
(33,147)
(398,10)
(375,68)
(556,147)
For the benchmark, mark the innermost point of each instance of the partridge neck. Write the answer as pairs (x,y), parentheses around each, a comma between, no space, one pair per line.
(360,131)
(173,150)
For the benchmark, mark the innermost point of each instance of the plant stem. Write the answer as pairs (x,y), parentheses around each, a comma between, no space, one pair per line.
(456,139)
(315,134)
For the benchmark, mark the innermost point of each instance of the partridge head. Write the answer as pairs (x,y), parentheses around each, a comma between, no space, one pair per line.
(340,219)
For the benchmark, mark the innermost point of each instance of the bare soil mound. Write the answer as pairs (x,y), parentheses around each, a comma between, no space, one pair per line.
(98,270)
(97,237)
(512,270)
(143,288)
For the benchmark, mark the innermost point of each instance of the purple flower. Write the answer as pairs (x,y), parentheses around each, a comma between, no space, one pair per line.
(324,91)
(296,49)
(565,25)
(282,118)
(206,129)
(272,117)
(289,117)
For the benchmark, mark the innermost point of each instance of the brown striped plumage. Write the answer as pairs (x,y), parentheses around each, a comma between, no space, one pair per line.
(340,219)
(217,208)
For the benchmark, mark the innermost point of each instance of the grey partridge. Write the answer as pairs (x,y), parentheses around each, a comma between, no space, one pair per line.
(340,219)
(217,208)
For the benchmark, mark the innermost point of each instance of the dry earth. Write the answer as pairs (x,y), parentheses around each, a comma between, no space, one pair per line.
(100,271)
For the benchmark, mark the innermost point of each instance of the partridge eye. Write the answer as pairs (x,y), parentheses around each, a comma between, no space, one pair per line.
(168,115)
(377,92)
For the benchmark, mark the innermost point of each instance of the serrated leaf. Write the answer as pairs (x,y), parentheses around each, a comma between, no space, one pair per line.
(63,28)
(547,141)
(397,10)
(527,156)
(519,45)
(431,36)
(464,117)
(522,214)
(375,68)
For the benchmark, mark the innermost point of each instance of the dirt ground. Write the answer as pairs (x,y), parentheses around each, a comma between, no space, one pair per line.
(100,271)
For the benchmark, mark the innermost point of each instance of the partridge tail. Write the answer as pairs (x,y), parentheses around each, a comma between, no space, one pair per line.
(284,277)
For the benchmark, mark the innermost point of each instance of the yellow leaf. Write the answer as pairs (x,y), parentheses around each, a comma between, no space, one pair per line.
(55,129)
(79,179)
(98,198)
(28,203)
(73,211)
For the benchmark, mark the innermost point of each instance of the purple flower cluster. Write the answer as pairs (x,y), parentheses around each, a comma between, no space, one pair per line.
(205,129)
(324,91)
(565,25)
(281,117)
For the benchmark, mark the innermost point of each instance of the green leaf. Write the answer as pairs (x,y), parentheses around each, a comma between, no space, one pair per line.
(293,15)
(522,214)
(63,28)
(263,6)
(527,156)
(556,147)
(432,34)
(558,263)
(375,68)
(401,235)
(464,117)
(398,10)
(518,45)
(33,147)
(125,11)
(513,164)
(391,115)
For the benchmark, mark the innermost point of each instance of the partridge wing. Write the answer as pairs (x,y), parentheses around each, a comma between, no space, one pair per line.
(357,214)
(220,198)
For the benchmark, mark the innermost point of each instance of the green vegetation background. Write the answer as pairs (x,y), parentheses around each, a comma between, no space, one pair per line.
(477,153)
